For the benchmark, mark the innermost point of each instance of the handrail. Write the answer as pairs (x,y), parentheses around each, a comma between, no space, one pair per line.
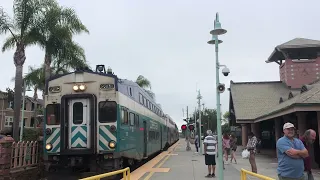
(245,172)
(125,171)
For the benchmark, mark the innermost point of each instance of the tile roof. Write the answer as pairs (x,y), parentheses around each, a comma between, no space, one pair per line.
(309,97)
(254,100)
(250,99)
(297,43)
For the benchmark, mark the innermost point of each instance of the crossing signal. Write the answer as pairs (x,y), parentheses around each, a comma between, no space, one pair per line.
(191,127)
(183,127)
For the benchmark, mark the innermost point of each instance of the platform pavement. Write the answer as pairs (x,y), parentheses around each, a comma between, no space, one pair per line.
(266,166)
(177,163)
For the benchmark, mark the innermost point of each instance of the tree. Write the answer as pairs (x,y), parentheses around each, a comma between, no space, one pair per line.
(143,82)
(226,118)
(56,27)
(208,119)
(225,128)
(19,27)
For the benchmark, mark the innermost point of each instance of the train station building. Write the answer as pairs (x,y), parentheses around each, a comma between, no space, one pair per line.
(263,107)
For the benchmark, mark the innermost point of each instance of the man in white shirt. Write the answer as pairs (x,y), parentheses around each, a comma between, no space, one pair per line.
(210,146)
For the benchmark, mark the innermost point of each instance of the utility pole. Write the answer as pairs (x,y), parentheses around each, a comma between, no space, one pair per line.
(195,120)
(188,148)
(199,108)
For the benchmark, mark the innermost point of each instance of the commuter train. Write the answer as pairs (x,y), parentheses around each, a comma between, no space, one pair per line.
(100,122)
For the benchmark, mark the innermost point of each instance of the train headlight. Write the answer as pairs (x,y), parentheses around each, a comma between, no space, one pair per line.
(112,144)
(82,87)
(75,87)
(48,147)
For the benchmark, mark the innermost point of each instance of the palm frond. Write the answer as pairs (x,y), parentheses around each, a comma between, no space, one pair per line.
(6,24)
(33,37)
(35,77)
(70,18)
(25,12)
(143,82)
(9,43)
(71,55)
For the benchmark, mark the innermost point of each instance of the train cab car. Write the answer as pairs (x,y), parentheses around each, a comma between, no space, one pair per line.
(97,121)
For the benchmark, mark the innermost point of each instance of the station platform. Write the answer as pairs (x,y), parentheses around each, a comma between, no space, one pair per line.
(177,163)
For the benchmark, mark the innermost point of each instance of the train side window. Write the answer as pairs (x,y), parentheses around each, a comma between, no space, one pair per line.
(124,116)
(131,116)
(77,113)
(137,120)
(144,101)
(107,111)
(140,98)
(53,114)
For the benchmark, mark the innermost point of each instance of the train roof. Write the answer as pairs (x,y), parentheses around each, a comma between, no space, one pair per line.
(122,84)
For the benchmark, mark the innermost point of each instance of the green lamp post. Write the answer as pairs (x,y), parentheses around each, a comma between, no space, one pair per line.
(218,31)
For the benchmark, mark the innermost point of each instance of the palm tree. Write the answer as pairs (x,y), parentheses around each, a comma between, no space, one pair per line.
(20,28)
(56,28)
(53,32)
(143,82)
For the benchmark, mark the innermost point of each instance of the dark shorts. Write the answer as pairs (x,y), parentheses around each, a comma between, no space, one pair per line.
(228,150)
(234,149)
(210,159)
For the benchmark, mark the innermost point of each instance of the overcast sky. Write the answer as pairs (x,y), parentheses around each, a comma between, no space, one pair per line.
(166,41)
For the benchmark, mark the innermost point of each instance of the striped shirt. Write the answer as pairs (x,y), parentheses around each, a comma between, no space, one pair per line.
(211,145)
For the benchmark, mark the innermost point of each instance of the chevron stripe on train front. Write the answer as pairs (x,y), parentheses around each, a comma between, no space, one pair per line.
(105,136)
(79,137)
(54,139)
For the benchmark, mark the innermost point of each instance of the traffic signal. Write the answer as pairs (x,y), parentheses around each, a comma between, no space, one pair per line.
(183,127)
(191,127)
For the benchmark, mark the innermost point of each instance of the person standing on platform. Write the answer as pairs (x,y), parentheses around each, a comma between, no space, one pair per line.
(308,139)
(233,145)
(196,142)
(226,146)
(210,146)
(290,151)
(251,147)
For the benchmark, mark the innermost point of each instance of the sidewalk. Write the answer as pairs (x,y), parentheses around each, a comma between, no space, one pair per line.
(177,163)
(186,165)
(266,166)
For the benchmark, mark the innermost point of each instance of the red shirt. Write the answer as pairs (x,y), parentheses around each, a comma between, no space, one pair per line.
(307,160)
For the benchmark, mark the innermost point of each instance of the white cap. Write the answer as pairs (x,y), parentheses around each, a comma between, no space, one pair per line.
(288,125)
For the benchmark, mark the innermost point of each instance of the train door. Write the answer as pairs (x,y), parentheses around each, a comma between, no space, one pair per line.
(160,137)
(79,124)
(145,140)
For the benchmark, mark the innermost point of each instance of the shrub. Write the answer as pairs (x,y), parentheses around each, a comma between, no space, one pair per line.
(31,134)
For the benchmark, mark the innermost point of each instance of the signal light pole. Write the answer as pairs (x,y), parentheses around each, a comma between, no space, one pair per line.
(188,148)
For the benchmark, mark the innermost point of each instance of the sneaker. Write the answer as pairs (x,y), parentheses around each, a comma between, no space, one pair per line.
(213,175)
(208,176)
